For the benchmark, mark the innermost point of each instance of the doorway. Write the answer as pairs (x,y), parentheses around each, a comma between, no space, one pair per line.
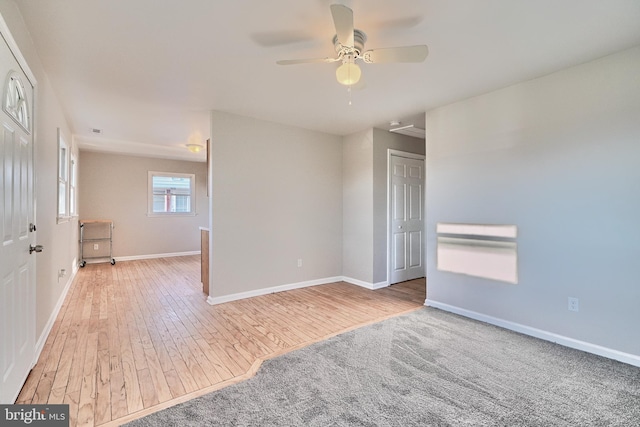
(17,232)
(405,238)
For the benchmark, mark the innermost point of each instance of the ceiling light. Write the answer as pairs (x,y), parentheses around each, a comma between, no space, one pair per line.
(348,73)
(194,148)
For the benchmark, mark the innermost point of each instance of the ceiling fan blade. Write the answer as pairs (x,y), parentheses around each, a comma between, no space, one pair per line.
(280,38)
(396,54)
(343,21)
(305,61)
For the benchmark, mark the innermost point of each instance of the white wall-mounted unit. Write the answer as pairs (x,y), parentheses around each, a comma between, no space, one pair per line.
(483,252)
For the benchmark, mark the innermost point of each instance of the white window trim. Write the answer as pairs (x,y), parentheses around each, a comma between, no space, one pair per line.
(73,186)
(151,213)
(63,178)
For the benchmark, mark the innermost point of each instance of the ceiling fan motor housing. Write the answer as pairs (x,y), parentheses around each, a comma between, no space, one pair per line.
(359,38)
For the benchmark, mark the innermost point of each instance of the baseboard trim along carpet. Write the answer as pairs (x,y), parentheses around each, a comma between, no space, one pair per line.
(288,287)
(631,359)
(425,368)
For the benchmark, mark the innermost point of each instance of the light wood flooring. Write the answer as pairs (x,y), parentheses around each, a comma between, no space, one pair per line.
(137,337)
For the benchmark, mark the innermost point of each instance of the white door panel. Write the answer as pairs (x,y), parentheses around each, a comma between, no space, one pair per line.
(399,246)
(415,249)
(17,265)
(415,202)
(399,202)
(407,219)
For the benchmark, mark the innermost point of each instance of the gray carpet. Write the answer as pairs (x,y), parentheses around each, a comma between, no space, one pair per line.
(426,368)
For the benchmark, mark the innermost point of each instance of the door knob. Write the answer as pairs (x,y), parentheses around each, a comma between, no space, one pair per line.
(36,248)
(32,227)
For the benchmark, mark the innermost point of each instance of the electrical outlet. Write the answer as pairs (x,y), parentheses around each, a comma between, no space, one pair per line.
(574,304)
(299,262)
(96,246)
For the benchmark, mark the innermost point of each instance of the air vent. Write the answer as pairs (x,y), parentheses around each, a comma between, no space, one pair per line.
(410,130)
(96,131)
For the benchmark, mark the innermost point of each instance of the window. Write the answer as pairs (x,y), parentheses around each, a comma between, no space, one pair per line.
(15,101)
(73,194)
(171,194)
(67,181)
(63,174)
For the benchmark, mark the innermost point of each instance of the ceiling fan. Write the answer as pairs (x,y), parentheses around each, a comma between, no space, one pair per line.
(349,44)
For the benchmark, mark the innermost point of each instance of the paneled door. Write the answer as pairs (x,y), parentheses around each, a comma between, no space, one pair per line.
(17,232)
(406,214)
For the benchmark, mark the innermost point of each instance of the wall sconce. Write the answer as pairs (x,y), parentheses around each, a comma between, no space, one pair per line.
(194,148)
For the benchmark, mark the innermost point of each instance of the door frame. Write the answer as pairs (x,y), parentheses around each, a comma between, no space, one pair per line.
(7,37)
(398,153)
(13,47)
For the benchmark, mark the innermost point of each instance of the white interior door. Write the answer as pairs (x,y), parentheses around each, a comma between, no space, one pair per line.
(406,212)
(17,264)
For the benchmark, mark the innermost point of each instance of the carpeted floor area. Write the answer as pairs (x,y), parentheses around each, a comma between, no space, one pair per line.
(426,368)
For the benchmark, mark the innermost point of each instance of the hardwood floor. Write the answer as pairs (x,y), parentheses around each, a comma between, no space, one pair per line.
(137,337)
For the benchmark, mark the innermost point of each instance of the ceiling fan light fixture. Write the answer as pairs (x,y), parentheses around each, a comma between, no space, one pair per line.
(348,43)
(348,73)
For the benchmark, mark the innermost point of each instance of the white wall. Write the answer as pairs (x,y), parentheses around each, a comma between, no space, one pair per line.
(559,157)
(357,188)
(114,187)
(59,240)
(276,198)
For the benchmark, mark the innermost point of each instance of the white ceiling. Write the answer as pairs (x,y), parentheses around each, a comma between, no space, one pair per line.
(147,72)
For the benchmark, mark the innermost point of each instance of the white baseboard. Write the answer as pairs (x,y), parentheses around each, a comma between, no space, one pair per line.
(151,256)
(234,297)
(371,286)
(380,285)
(629,358)
(54,314)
